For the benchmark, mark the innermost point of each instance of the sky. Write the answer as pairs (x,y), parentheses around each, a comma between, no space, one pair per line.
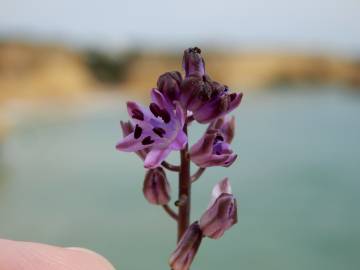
(330,25)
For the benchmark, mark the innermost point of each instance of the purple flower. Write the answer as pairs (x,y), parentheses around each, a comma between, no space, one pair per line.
(213,148)
(186,249)
(156,187)
(207,99)
(221,213)
(169,85)
(158,129)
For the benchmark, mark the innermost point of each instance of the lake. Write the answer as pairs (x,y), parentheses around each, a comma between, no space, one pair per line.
(297,180)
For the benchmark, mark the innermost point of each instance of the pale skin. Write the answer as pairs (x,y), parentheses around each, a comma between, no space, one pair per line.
(16,255)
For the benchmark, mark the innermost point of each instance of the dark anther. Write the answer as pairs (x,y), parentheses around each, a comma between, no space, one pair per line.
(137,132)
(165,116)
(147,140)
(159,131)
(155,109)
(137,114)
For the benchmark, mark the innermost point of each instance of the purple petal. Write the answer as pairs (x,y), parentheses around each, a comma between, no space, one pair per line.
(218,107)
(179,142)
(138,113)
(180,114)
(204,146)
(158,98)
(219,217)
(130,144)
(155,157)
(211,160)
(212,110)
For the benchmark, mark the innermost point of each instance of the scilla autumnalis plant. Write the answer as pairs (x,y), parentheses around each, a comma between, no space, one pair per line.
(155,131)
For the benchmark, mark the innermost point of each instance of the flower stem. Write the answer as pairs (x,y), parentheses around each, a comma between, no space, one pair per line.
(170,212)
(197,175)
(184,190)
(170,167)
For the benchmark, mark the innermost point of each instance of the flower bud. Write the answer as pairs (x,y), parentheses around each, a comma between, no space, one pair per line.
(186,249)
(222,212)
(169,84)
(193,63)
(156,188)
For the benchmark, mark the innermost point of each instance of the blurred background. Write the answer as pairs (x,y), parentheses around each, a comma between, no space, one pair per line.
(67,69)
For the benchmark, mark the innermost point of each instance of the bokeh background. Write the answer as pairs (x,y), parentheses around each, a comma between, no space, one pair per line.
(67,68)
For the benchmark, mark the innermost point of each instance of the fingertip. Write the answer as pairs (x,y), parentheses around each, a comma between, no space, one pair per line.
(16,255)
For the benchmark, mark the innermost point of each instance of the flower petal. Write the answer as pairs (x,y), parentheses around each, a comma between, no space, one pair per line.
(159,99)
(203,146)
(155,157)
(211,160)
(180,114)
(130,144)
(219,217)
(179,142)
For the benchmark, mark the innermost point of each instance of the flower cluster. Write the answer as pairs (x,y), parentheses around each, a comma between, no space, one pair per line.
(153,132)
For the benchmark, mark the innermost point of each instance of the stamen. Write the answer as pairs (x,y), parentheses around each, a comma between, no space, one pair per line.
(137,114)
(159,131)
(155,109)
(137,132)
(165,116)
(147,140)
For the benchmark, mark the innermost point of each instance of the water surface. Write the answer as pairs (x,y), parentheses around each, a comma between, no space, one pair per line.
(297,180)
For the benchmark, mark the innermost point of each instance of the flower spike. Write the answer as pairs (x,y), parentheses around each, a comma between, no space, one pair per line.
(154,131)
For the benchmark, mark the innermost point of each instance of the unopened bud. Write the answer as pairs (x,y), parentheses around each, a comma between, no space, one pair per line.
(187,248)
(222,212)
(169,84)
(219,217)
(156,188)
(193,63)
